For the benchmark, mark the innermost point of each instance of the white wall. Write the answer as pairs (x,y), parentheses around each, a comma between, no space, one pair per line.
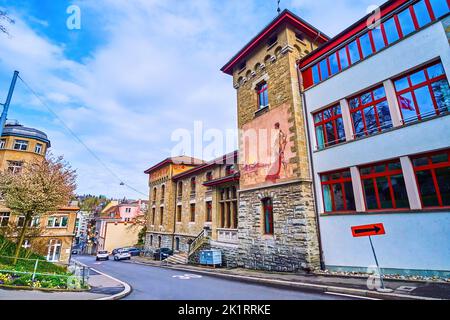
(419,241)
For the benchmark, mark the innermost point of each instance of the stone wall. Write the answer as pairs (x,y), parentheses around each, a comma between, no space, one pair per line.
(294,245)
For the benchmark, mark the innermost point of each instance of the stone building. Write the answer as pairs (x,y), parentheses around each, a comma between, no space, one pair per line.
(277,222)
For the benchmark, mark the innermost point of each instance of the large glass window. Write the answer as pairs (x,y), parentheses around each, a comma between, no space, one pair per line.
(391,31)
(329,127)
(406,22)
(366,45)
(354,52)
(384,186)
(370,113)
(423,93)
(433,178)
(378,39)
(422,14)
(267,204)
(343,58)
(337,191)
(334,64)
(324,74)
(315,72)
(440,7)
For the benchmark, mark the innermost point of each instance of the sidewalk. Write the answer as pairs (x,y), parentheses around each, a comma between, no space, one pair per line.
(402,289)
(102,286)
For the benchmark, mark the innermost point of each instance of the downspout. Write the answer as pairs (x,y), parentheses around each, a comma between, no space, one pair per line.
(310,156)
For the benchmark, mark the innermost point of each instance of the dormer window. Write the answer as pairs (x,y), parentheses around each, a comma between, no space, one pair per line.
(272,40)
(263,95)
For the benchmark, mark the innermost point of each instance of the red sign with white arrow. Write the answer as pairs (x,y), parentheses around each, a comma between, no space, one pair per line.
(368,230)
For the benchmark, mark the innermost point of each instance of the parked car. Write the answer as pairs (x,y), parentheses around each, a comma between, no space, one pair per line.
(116,250)
(162,254)
(102,255)
(135,252)
(122,254)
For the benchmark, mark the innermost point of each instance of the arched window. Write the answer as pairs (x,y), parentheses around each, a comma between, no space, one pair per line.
(151,240)
(159,241)
(193,185)
(180,189)
(154,194)
(268,215)
(54,250)
(163,192)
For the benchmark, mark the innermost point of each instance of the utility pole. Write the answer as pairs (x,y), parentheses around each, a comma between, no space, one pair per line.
(8,101)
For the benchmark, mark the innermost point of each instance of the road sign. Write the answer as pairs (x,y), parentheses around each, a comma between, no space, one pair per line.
(368,230)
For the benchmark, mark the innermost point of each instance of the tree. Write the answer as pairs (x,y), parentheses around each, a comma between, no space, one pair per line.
(40,187)
(4,17)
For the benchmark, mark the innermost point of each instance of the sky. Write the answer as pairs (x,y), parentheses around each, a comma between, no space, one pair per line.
(135,73)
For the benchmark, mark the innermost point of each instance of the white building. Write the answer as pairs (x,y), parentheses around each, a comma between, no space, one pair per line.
(377,102)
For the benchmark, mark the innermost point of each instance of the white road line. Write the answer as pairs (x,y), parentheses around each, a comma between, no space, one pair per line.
(350,296)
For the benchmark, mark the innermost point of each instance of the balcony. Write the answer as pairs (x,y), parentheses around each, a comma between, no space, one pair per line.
(227,235)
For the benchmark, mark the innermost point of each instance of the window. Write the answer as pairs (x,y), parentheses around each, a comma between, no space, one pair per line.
(384,186)
(177,244)
(334,64)
(242,66)
(2,144)
(127,210)
(406,22)
(228,208)
(268,216)
(329,127)
(193,185)
(153,216)
(151,240)
(343,58)
(4,219)
(439,7)
(272,40)
(366,45)
(315,72)
(422,14)
(180,189)
(424,93)
(57,222)
(161,215)
(324,73)
(337,191)
(370,113)
(354,52)
(21,145)
(179,210)
(159,241)
(163,192)
(433,178)
(54,250)
(391,31)
(378,38)
(208,211)
(127,219)
(38,148)
(192,212)
(154,194)
(209,176)
(263,95)
(15,166)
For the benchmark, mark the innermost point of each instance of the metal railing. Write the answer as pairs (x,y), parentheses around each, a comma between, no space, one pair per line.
(39,273)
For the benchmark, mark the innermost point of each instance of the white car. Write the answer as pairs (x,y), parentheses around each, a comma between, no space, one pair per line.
(102,255)
(122,254)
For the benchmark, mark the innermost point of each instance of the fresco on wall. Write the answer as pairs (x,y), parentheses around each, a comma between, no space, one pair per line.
(266,149)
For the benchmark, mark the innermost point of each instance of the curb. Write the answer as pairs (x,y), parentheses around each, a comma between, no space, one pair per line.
(297,285)
(127,288)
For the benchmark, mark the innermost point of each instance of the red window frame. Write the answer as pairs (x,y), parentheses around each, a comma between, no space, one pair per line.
(262,88)
(387,174)
(427,83)
(268,216)
(362,106)
(323,123)
(331,182)
(400,33)
(431,167)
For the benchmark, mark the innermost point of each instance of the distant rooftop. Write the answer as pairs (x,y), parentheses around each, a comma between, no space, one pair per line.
(14,128)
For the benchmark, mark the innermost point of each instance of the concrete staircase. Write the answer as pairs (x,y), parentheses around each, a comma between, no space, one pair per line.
(179,258)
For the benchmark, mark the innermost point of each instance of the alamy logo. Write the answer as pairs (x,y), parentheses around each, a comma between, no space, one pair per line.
(73,22)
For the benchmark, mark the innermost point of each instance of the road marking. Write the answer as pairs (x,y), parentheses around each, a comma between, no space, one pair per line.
(187,276)
(350,295)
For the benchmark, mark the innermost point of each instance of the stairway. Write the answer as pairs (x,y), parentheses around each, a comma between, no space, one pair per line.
(179,258)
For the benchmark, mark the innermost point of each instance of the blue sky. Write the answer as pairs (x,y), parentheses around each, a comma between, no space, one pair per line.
(135,72)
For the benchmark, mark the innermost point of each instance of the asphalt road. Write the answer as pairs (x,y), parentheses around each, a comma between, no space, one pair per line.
(153,283)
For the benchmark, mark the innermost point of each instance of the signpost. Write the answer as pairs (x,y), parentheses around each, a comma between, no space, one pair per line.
(369,231)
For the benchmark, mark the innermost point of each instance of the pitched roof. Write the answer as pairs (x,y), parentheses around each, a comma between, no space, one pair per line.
(284,17)
(175,160)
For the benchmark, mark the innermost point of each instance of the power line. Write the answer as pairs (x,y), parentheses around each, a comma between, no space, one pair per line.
(74,135)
